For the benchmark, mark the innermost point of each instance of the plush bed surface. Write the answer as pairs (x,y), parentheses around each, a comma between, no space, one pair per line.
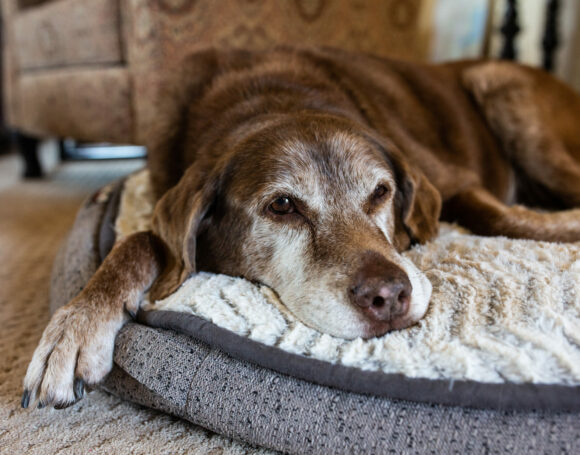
(501,310)
(205,383)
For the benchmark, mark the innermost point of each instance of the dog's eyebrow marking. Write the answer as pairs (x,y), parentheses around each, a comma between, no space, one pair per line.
(332,175)
(342,158)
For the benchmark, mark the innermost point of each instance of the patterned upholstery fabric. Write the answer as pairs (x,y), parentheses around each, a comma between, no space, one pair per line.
(161,34)
(143,37)
(28,3)
(66,33)
(87,104)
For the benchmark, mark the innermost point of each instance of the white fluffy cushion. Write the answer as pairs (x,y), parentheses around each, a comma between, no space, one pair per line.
(501,309)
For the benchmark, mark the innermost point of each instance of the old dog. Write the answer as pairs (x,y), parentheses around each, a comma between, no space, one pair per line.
(311,170)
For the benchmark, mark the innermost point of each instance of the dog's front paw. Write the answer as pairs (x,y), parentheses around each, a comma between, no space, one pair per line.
(76,349)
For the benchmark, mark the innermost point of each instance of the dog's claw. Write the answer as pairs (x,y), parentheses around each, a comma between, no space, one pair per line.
(132,313)
(40,405)
(25,399)
(79,388)
(62,405)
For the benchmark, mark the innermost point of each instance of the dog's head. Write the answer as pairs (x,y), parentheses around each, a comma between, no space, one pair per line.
(315,207)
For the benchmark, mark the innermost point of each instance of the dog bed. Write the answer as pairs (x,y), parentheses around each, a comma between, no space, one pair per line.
(502,334)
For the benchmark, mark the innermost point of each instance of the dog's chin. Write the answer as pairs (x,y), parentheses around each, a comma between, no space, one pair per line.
(352,324)
(363,328)
(378,329)
(359,327)
(348,323)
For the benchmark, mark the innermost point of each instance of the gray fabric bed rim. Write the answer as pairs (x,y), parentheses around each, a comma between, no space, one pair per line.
(506,396)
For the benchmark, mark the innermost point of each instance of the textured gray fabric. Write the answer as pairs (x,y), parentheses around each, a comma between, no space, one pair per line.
(502,396)
(83,249)
(244,401)
(180,375)
(77,259)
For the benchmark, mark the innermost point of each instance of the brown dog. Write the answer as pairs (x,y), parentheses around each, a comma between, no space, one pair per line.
(310,171)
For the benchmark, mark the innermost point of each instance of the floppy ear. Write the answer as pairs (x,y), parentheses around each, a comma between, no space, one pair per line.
(176,220)
(418,204)
(417,201)
(184,198)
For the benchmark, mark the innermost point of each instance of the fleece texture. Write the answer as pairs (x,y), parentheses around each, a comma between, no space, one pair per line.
(501,310)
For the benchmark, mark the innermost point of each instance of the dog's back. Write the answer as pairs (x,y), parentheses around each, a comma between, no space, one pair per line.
(424,109)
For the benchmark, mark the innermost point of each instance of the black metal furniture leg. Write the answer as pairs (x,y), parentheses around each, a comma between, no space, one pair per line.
(28,149)
(551,40)
(509,29)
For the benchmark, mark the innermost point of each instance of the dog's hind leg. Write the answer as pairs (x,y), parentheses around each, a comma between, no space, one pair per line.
(536,119)
(479,211)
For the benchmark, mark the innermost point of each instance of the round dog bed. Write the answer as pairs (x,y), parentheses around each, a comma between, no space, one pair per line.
(272,382)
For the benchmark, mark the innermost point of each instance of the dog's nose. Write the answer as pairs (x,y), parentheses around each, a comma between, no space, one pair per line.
(382,300)
(381,289)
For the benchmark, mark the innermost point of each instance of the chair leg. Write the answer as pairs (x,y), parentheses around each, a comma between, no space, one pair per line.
(551,38)
(509,29)
(62,150)
(28,149)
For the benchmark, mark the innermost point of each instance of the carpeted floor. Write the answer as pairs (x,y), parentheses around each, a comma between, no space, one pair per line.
(34,217)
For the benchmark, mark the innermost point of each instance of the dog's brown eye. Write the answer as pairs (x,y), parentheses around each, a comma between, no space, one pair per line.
(380,192)
(282,206)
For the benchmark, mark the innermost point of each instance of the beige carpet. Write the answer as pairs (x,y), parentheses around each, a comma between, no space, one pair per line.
(34,217)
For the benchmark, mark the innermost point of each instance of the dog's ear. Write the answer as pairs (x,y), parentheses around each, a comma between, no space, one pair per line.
(176,220)
(420,208)
(184,199)
(417,206)
(417,201)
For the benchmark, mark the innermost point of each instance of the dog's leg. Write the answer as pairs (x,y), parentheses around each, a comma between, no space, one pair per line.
(483,214)
(535,117)
(76,348)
